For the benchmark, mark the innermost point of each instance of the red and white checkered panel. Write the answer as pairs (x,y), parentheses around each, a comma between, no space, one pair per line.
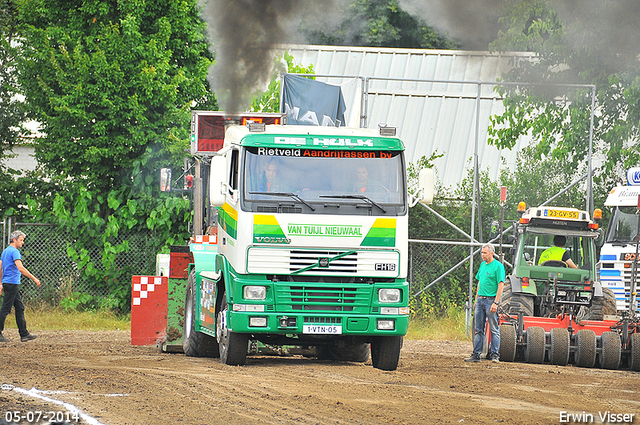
(206,239)
(142,286)
(148,309)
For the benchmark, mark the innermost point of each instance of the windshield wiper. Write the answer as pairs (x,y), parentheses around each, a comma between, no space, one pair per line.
(364,198)
(289,194)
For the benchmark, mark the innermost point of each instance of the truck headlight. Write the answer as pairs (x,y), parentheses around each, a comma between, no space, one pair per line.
(251,292)
(389,295)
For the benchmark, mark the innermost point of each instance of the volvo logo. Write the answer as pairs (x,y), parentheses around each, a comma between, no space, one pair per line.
(266,239)
(323,262)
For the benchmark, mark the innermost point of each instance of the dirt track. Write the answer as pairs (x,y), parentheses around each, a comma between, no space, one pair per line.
(113,382)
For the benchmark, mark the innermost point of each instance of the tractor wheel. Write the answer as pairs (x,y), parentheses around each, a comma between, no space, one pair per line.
(611,350)
(233,346)
(600,307)
(634,361)
(513,303)
(559,350)
(195,344)
(534,350)
(585,354)
(358,353)
(507,343)
(385,352)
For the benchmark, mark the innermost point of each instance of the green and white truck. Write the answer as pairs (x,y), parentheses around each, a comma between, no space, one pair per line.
(312,244)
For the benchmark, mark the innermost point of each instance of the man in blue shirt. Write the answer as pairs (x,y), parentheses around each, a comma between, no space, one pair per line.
(490,277)
(11,269)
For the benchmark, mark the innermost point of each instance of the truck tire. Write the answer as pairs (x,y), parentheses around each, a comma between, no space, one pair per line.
(358,353)
(195,344)
(585,353)
(634,360)
(385,352)
(611,350)
(534,350)
(513,303)
(559,349)
(600,307)
(507,343)
(233,346)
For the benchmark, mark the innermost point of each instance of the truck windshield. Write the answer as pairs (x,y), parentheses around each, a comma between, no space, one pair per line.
(324,181)
(623,226)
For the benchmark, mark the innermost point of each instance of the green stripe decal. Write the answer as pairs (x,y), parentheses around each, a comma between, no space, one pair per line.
(382,233)
(228,218)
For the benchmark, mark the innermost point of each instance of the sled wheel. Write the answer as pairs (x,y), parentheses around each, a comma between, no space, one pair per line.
(634,361)
(534,350)
(507,343)
(611,350)
(585,354)
(559,350)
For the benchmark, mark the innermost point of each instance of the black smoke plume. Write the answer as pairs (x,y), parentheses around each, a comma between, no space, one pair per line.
(244,35)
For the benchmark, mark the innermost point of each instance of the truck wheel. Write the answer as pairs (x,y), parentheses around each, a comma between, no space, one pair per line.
(559,350)
(611,350)
(195,344)
(600,307)
(358,353)
(585,354)
(385,352)
(507,343)
(634,362)
(233,346)
(534,350)
(515,303)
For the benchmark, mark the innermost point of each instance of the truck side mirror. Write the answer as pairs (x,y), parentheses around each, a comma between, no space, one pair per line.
(425,186)
(217,181)
(600,238)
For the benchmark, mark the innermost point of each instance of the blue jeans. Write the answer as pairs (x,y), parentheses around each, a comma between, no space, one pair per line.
(481,314)
(13,298)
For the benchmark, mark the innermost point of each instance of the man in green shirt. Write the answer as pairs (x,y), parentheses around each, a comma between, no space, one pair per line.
(490,277)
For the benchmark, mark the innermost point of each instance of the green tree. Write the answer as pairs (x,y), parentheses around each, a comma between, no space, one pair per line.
(111,83)
(12,112)
(381,23)
(574,47)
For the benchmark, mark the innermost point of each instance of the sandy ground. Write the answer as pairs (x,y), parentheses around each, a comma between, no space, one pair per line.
(111,382)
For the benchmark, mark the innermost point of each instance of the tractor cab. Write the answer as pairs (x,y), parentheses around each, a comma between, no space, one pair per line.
(554,260)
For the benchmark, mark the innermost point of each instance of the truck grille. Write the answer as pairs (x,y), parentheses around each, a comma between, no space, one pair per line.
(322,298)
(301,262)
(299,259)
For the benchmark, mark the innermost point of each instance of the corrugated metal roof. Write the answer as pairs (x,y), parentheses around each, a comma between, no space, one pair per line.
(430,116)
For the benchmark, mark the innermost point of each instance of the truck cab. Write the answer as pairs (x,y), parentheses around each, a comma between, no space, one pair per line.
(619,249)
(312,245)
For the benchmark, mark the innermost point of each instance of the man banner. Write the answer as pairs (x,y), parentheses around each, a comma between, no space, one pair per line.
(310,102)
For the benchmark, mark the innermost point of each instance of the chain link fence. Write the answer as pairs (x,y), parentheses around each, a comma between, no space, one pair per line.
(45,255)
(438,270)
(439,273)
